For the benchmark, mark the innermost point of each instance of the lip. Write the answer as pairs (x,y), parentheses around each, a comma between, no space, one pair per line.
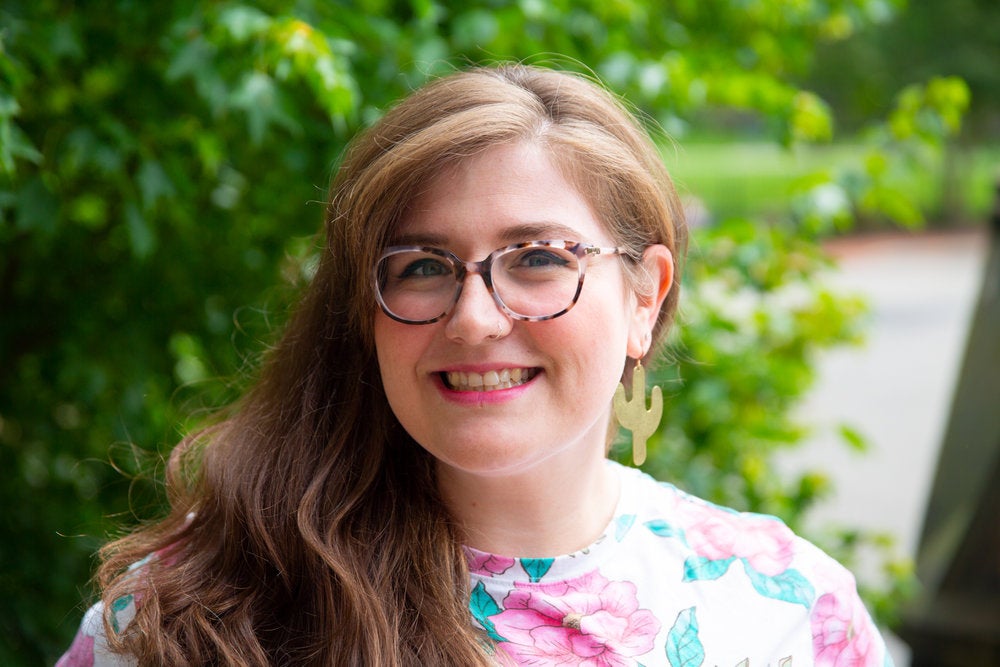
(496,396)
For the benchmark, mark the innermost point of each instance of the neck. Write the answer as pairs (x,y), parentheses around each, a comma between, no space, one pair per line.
(544,512)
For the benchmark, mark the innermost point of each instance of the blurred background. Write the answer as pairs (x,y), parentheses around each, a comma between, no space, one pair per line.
(163,168)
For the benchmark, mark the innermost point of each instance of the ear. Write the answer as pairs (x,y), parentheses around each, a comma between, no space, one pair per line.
(658,266)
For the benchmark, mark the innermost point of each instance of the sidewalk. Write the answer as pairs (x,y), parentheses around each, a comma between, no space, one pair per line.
(896,389)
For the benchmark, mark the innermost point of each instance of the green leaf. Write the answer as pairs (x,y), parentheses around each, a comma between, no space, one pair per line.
(154,184)
(536,568)
(260,99)
(699,568)
(482,605)
(622,525)
(789,586)
(193,57)
(684,648)
(853,438)
(811,118)
(14,144)
(89,210)
(244,22)
(140,233)
(118,606)
(662,528)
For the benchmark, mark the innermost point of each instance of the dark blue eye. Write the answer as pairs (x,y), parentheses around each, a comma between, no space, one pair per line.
(540,258)
(426,267)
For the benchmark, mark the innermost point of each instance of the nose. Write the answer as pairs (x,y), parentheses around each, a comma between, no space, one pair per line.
(476,317)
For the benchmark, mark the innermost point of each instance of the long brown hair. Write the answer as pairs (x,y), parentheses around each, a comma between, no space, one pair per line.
(306,525)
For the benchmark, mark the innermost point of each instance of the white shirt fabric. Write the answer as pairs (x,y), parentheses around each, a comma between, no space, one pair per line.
(673,581)
(676,581)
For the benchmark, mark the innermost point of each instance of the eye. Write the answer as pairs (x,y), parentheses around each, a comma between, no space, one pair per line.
(425,267)
(540,258)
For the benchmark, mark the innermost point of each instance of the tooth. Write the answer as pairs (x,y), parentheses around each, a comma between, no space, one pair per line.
(505,378)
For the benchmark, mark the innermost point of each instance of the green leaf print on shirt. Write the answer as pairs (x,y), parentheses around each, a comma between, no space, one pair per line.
(789,586)
(622,525)
(684,649)
(661,528)
(536,567)
(118,606)
(699,568)
(482,606)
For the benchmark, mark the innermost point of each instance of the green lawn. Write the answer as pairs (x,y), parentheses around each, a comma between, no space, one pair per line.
(757,178)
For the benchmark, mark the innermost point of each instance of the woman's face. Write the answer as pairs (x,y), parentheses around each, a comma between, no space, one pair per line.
(568,366)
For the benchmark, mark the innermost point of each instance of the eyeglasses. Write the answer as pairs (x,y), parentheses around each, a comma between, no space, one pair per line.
(532,281)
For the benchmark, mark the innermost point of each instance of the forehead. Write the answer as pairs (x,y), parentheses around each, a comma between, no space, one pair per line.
(507,194)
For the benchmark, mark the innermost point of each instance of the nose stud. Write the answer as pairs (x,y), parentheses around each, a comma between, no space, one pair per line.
(499,332)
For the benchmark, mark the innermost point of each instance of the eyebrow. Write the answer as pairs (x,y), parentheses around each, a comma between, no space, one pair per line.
(527,231)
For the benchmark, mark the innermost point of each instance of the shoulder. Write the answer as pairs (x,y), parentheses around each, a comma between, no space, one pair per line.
(90,645)
(759,562)
(714,533)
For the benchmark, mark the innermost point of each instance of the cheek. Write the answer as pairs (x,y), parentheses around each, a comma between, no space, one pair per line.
(394,345)
(592,341)
(394,360)
(382,347)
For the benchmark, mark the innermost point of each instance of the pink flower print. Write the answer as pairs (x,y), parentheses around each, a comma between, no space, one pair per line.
(767,545)
(485,564)
(716,534)
(585,621)
(80,654)
(842,634)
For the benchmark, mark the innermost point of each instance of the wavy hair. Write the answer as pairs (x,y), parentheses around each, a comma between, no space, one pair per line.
(305,524)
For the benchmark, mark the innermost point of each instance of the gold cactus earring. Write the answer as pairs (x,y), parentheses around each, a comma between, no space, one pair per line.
(633,415)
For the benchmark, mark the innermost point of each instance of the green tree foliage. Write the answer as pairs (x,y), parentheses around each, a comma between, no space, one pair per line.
(861,74)
(932,41)
(162,172)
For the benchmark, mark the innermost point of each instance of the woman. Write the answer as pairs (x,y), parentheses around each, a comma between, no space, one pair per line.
(419,476)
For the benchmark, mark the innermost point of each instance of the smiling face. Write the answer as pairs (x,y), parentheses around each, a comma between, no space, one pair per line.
(486,394)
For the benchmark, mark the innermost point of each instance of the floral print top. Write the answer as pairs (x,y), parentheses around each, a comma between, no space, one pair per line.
(676,581)
(673,581)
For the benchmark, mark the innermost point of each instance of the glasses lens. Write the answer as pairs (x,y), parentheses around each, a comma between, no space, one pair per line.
(537,281)
(415,285)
